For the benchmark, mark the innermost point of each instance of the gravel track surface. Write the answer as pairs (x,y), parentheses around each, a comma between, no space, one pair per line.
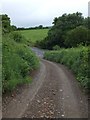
(54,93)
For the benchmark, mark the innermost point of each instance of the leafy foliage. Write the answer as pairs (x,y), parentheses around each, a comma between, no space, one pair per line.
(64,28)
(76,59)
(56,47)
(18,59)
(18,62)
(77,36)
(6,27)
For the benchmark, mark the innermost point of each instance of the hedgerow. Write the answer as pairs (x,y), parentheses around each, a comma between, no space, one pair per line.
(18,61)
(76,59)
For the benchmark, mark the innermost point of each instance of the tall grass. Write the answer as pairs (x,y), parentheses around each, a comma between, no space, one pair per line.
(76,59)
(18,61)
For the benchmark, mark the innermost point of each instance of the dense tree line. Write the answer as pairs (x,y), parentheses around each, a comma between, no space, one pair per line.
(68,30)
(31,28)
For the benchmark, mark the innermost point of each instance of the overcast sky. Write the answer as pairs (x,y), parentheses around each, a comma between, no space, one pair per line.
(27,13)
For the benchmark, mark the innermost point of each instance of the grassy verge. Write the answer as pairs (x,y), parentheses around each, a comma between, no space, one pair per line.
(76,59)
(18,61)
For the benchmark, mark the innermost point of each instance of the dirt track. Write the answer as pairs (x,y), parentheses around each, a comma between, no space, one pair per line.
(53,93)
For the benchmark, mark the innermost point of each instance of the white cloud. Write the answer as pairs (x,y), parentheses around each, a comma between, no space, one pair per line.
(34,12)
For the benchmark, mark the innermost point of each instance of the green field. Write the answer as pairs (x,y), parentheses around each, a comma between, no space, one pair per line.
(34,35)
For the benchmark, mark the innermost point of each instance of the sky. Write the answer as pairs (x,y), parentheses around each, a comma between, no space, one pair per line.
(30,13)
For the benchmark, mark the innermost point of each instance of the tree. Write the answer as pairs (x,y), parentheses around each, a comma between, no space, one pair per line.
(77,36)
(40,26)
(6,23)
(62,24)
(70,21)
(87,22)
(55,20)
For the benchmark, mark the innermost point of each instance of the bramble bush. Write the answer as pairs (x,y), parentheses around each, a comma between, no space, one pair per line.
(76,59)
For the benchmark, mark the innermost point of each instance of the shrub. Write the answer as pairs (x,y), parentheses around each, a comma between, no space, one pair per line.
(17,37)
(56,47)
